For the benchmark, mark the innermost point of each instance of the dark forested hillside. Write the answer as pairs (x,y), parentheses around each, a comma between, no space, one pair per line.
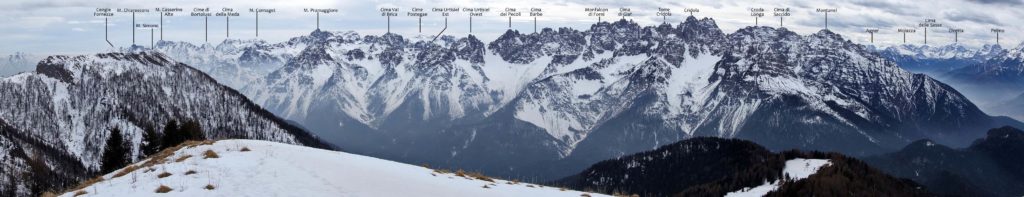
(699,165)
(846,176)
(707,166)
(27,163)
(991,166)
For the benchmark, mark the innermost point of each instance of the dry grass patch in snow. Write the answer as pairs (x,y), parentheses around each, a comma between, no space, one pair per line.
(182,158)
(161,157)
(479,176)
(210,154)
(469,175)
(158,158)
(163,189)
(163,174)
(125,170)
(89,182)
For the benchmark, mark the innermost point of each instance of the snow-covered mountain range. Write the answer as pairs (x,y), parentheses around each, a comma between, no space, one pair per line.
(55,121)
(1004,69)
(994,83)
(990,76)
(260,168)
(233,62)
(562,98)
(937,60)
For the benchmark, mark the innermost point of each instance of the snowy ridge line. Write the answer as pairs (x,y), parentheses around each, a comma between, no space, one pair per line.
(260,168)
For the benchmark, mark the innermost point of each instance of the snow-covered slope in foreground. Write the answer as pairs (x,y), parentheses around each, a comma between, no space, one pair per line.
(276,169)
(796,169)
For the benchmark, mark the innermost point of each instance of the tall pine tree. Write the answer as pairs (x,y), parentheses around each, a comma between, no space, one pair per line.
(115,154)
(175,133)
(193,131)
(171,136)
(152,141)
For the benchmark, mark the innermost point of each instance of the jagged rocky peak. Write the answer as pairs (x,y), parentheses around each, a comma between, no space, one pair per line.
(257,55)
(761,35)
(703,29)
(992,49)
(321,36)
(433,56)
(824,33)
(515,47)
(470,49)
(826,39)
(621,26)
(514,35)
(388,40)
(606,36)
(664,28)
(564,45)
(233,45)
(706,22)
(312,56)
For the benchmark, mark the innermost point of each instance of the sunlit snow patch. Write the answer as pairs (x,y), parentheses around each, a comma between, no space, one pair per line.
(796,169)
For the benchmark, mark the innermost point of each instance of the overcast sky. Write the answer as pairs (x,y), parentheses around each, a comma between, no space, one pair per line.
(67,27)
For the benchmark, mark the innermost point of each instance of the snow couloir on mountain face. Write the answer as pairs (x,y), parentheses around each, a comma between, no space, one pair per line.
(57,120)
(514,106)
(260,168)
